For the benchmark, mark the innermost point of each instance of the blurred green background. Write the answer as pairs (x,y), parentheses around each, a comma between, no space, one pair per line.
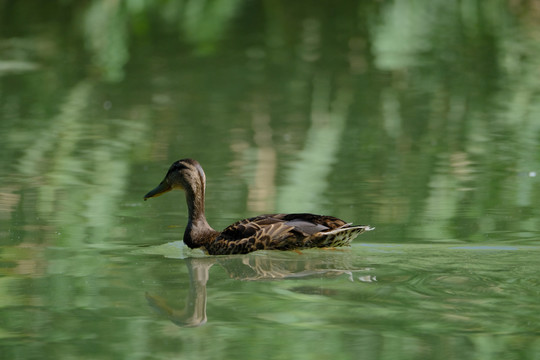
(421,118)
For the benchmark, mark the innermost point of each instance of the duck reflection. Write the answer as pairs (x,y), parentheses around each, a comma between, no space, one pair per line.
(256,267)
(194,312)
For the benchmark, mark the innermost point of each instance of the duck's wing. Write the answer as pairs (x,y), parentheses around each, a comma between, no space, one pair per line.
(274,231)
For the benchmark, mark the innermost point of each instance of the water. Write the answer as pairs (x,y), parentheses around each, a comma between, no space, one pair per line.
(374,301)
(418,118)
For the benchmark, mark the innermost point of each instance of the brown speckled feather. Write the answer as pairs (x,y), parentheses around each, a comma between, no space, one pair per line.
(263,232)
(283,232)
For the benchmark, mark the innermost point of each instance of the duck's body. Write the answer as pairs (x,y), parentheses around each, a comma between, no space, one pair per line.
(270,232)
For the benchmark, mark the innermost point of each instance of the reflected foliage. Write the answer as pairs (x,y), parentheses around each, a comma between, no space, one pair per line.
(431,118)
(418,117)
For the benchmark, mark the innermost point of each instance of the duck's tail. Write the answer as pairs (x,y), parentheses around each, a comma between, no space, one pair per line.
(341,236)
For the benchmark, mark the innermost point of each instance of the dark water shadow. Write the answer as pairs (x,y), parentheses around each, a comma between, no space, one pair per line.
(263,266)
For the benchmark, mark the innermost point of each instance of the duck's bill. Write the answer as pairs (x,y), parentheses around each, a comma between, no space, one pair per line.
(161,189)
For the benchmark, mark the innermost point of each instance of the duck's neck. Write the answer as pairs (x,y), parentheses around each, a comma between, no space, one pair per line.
(198,231)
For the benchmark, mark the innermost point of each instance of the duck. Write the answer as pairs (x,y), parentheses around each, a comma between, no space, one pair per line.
(264,232)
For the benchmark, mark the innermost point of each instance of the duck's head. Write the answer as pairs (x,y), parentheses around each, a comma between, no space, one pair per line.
(185,174)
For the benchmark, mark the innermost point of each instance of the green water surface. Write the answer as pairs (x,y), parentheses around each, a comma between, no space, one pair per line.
(420,118)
